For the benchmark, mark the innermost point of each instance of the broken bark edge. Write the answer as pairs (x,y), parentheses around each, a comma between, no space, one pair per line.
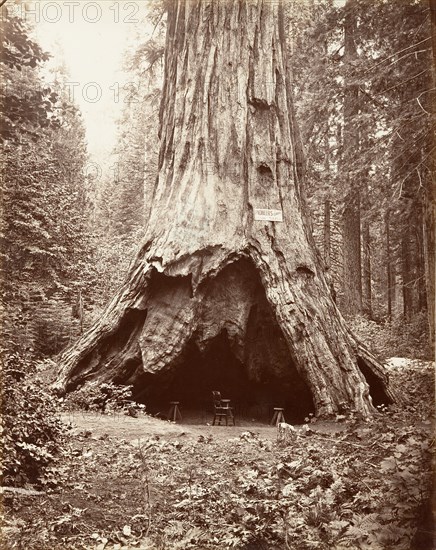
(380,382)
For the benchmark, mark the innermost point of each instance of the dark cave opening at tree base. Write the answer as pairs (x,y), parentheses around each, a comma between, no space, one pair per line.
(377,392)
(237,349)
(224,336)
(247,359)
(217,368)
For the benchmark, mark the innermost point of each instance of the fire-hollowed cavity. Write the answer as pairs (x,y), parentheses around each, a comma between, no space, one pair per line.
(223,337)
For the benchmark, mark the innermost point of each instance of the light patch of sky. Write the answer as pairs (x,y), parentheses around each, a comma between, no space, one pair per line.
(89,39)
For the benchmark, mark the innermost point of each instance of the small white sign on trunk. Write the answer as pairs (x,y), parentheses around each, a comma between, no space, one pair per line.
(268,214)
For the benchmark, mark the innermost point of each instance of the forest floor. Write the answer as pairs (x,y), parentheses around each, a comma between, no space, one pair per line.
(144,483)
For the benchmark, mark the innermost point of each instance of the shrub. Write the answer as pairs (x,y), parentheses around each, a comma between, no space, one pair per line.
(32,433)
(395,338)
(105,398)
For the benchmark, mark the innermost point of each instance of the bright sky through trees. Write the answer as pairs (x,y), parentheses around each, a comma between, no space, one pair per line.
(90,40)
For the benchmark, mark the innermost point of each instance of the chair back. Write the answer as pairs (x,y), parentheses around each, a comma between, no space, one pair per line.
(216,396)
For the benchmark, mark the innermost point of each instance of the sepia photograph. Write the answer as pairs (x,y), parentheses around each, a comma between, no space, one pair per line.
(217,274)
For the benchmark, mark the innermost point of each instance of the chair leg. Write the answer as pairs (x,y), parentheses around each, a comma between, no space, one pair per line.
(274,418)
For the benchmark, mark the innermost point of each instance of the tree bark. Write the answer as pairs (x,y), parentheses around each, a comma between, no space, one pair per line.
(327,205)
(327,234)
(420,264)
(408,279)
(430,200)
(367,284)
(209,267)
(390,270)
(352,257)
(352,261)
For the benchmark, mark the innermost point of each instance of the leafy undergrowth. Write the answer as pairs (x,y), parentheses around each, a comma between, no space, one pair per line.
(30,430)
(360,485)
(405,338)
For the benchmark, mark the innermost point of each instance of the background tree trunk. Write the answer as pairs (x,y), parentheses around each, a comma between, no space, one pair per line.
(366,279)
(352,262)
(420,264)
(210,271)
(430,200)
(407,275)
(390,269)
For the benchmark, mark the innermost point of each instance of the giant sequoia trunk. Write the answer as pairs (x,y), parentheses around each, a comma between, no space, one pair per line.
(212,275)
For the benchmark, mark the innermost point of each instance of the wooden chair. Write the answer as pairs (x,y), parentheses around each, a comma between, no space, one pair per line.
(222,409)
